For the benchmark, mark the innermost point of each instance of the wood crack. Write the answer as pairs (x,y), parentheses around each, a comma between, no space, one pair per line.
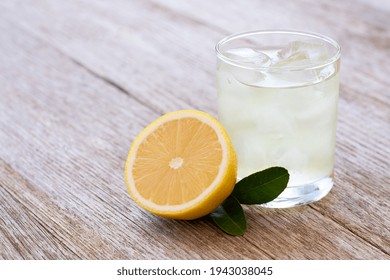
(34,34)
(109,81)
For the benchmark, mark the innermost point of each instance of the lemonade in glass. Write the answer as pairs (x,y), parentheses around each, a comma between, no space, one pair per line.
(277,99)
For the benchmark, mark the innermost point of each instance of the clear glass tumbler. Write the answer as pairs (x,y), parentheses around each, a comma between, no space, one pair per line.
(277,98)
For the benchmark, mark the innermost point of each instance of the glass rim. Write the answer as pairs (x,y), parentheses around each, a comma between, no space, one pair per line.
(239,35)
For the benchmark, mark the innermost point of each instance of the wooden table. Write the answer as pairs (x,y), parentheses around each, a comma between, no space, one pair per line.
(80,79)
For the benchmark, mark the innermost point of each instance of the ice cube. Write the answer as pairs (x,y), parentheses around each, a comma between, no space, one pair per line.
(318,112)
(326,72)
(299,53)
(251,152)
(313,50)
(271,121)
(230,102)
(289,156)
(248,77)
(248,57)
(302,55)
(300,58)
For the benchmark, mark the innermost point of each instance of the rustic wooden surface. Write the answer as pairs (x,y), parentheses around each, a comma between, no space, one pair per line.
(80,79)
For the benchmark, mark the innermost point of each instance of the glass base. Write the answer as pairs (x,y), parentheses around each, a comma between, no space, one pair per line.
(303,194)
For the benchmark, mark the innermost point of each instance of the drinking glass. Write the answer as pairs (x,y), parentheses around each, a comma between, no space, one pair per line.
(277,98)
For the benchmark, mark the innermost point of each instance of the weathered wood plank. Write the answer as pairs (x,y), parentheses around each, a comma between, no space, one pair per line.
(66,131)
(55,128)
(127,37)
(307,234)
(23,235)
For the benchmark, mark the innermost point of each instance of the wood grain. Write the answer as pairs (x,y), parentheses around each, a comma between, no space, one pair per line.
(80,79)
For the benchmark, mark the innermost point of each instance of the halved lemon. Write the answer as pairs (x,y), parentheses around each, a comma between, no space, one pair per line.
(181,166)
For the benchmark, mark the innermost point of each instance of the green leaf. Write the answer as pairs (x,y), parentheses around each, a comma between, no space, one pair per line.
(230,217)
(261,187)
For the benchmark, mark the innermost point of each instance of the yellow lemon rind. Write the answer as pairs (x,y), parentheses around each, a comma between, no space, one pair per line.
(211,198)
